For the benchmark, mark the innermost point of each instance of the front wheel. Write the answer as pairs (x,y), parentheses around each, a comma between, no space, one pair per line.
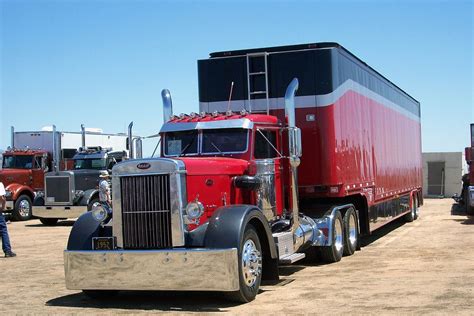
(22,211)
(250,267)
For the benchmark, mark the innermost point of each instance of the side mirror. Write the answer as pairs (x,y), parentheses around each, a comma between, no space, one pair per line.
(295,148)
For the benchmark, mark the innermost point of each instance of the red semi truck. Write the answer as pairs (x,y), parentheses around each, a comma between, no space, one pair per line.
(297,149)
(467,193)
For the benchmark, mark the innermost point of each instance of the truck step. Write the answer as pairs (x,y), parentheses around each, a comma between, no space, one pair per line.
(292,258)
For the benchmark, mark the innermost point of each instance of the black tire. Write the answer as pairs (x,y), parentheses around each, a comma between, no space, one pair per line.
(415,204)
(334,252)
(100,294)
(410,217)
(49,221)
(22,209)
(249,284)
(91,203)
(351,232)
(469,209)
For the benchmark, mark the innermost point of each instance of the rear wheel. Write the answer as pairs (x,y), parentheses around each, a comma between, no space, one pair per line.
(49,221)
(415,205)
(334,252)
(351,232)
(410,217)
(22,210)
(250,267)
(92,202)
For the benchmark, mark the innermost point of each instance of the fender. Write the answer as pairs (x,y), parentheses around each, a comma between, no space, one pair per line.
(19,189)
(82,232)
(88,195)
(227,224)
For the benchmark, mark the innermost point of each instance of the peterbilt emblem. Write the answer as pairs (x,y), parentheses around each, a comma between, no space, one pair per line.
(143,165)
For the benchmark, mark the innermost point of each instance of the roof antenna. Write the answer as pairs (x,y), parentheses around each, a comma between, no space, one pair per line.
(230,95)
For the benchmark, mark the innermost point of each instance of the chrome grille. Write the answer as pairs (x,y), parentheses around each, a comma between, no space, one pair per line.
(146,215)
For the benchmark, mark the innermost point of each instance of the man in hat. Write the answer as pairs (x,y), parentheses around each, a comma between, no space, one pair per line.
(7,248)
(104,189)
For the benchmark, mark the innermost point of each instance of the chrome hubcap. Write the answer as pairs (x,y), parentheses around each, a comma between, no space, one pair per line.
(352,230)
(251,263)
(338,235)
(24,208)
(413,208)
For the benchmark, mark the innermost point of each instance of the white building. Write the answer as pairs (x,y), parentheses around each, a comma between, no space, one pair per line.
(442,173)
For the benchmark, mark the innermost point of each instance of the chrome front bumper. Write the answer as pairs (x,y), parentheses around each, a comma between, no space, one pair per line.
(169,270)
(58,211)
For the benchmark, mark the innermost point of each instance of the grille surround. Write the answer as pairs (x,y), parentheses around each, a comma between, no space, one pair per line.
(146,212)
(176,171)
(59,187)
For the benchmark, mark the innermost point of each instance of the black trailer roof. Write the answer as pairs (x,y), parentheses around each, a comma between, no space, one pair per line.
(289,48)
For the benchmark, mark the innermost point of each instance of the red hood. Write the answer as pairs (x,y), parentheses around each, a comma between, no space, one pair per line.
(8,176)
(214,166)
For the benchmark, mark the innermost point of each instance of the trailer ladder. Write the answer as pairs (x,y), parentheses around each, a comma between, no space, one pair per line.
(253,73)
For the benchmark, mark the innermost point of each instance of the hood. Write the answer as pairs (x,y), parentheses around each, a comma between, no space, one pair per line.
(8,176)
(214,166)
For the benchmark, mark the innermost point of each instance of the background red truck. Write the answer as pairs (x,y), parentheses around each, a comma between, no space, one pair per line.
(467,194)
(297,149)
(33,153)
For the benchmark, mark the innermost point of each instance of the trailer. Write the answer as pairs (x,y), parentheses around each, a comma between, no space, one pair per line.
(296,150)
(34,153)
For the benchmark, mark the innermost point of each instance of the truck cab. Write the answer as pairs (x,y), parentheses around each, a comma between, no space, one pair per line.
(70,193)
(22,174)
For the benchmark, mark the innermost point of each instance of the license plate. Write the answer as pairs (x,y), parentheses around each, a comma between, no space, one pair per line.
(103,243)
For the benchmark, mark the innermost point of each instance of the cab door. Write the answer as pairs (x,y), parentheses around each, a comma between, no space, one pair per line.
(268,159)
(37,174)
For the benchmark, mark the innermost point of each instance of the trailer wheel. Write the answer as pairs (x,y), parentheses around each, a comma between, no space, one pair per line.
(410,217)
(334,252)
(49,221)
(415,205)
(250,267)
(22,210)
(351,232)
(100,294)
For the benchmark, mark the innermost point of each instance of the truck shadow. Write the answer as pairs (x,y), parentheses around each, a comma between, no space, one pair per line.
(457,209)
(382,232)
(60,223)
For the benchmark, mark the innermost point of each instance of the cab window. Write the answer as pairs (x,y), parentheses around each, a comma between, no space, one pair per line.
(264,139)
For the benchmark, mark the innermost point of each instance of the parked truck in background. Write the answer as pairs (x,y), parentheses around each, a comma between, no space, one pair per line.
(69,193)
(259,178)
(34,153)
(467,194)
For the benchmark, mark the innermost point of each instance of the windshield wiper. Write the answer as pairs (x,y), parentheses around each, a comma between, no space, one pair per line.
(186,147)
(213,145)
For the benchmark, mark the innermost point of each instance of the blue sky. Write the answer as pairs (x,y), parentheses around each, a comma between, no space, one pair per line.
(104,63)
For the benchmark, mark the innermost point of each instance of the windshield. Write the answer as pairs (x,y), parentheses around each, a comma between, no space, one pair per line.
(90,164)
(17,162)
(212,141)
(181,143)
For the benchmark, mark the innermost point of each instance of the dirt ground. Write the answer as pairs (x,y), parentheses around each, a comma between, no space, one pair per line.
(406,268)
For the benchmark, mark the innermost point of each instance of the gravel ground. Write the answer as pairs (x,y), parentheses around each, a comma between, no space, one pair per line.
(405,268)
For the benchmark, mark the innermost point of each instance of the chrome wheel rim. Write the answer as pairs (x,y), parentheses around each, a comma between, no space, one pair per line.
(352,230)
(251,263)
(24,208)
(338,234)
(413,208)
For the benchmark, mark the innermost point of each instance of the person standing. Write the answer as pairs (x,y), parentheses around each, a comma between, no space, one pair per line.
(104,189)
(7,249)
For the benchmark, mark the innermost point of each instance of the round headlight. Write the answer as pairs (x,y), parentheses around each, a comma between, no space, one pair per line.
(99,213)
(194,210)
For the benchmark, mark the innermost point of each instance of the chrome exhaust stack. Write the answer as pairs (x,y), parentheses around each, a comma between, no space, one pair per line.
(131,152)
(167,105)
(303,228)
(83,137)
(55,150)
(13,137)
